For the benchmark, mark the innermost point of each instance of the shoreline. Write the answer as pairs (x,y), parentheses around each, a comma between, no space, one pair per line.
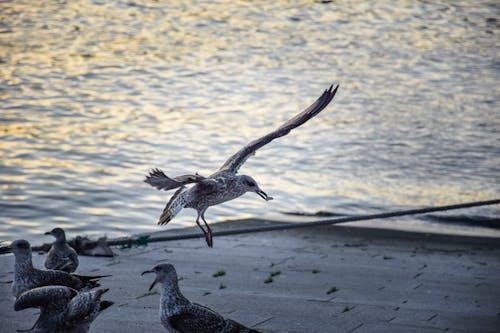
(349,227)
(245,223)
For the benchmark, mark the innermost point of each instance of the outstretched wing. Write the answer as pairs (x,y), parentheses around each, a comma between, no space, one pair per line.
(237,160)
(158,179)
(174,206)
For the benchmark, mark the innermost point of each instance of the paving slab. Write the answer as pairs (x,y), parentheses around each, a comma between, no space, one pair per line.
(324,279)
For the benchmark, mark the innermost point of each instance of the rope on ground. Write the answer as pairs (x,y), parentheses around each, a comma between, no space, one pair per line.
(143,240)
(288,226)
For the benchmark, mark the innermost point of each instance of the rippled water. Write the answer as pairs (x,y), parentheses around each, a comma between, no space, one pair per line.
(95,93)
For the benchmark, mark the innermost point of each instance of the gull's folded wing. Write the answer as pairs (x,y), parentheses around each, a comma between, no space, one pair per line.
(199,319)
(45,297)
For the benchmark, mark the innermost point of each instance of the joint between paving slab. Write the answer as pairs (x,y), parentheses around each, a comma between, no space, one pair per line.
(432,317)
(263,321)
(355,328)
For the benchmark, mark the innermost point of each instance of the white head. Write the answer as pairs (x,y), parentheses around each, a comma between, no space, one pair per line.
(165,273)
(250,185)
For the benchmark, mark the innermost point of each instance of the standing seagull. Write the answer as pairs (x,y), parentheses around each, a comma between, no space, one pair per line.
(179,315)
(27,277)
(63,309)
(225,185)
(61,256)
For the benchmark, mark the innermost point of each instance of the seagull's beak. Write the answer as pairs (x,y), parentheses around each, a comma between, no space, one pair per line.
(48,233)
(263,195)
(154,282)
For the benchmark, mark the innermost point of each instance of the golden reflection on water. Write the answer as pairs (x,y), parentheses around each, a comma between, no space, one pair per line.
(100,211)
(414,195)
(95,94)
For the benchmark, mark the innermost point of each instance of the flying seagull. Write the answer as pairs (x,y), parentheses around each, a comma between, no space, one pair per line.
(63,309)
(27,277)
(179,315)
(225,184)
(61,256)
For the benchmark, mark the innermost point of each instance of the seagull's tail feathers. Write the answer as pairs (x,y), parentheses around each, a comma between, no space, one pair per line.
(174,206)
(161,181)
(103,305)
(90,281)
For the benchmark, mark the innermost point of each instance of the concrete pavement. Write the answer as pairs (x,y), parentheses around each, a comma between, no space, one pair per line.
(321,279)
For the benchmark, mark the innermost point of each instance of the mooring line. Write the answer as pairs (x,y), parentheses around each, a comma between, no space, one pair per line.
(298,225)
(143,240)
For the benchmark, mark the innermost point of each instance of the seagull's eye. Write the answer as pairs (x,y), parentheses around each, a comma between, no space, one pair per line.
(250,183)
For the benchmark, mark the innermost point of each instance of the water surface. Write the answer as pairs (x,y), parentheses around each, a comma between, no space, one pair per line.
(96,93)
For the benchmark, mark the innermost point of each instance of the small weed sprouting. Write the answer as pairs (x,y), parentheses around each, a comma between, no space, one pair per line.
(275,273)
(222,286)
(331,290)
(219,273)
(346,309)
(268,280)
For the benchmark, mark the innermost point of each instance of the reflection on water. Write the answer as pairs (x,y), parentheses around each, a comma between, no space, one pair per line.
(95,93)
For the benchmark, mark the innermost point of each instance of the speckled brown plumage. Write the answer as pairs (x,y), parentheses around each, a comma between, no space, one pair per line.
(27,277)
(62,309)
(179,315)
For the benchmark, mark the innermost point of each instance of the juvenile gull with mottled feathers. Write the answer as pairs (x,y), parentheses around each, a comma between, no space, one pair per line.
(27,277)
(61,256)
(179,315)
(225,184)
(62,309)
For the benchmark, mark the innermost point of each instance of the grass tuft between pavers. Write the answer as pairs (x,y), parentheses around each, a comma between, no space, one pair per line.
(219,273)
(332,290)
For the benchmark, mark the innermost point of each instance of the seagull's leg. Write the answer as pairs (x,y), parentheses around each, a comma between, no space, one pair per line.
(208,235)
(201,227)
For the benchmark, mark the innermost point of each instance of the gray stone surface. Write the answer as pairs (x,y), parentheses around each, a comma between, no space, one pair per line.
(386,281)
